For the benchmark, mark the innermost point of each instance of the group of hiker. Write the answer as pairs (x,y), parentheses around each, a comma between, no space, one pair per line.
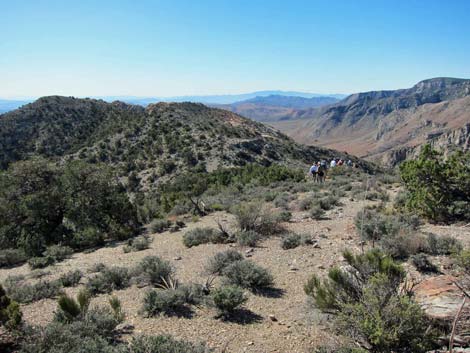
(319,169)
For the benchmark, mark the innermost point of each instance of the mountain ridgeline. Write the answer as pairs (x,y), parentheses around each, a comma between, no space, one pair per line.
(276,107)
(155,142)
(390,126)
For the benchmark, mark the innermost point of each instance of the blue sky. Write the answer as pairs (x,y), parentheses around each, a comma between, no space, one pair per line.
(165,48)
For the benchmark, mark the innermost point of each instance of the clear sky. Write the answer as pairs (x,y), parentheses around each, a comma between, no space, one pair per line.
(165,48)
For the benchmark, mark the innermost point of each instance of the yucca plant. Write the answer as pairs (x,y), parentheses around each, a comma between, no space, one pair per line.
(115,304)
(71,309)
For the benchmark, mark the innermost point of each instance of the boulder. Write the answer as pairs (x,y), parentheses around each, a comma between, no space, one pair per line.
(439,297)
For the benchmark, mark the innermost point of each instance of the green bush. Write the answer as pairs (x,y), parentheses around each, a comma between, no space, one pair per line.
(40,262)
(12,257)
(138,244)
(159,225)
(463,260)
(198,236)
(375,226)
(221,260)
(71,278)
(10,313)
(163,301)
(307,203)
(328,203)
(109,279)
(27,293)
(227,299)
(443,245)
(252,216)
(42,204)
(368,304)
(423,263)
(152,270)
(291,241)
(163,344)
(58,252)
(248,238)
(247,274)
(284,216)
(438,187)
(317,213)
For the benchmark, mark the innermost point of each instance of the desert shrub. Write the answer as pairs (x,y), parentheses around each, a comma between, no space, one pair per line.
(248,238)
(291,241)
(423,263)
(163,344)
(368,304)
(463,260)
(138,244)
(282,200)
(163,301)
(111,278)
(317,213)
(247,274)
(252,216)
(71,278)
(98,267)
(10,313)
(373,225)
(198,236)
(27,293)
(159,225)
(307,203)
(403,245)
(152,270)
(12,257)
(443,244)
(438,187)
(58,252)
(40,262)
(227,299)
(193,293)
(92,332)
(221,260)
(285,216)
(328,203)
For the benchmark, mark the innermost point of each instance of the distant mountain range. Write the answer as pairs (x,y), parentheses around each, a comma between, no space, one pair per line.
(275,107)
(7,105)
(389,126)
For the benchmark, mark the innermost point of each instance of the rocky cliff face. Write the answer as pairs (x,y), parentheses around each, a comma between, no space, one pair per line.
(390,126)
(444,141)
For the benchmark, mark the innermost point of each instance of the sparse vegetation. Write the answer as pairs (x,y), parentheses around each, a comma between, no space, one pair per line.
(247,274)
(71,278)
(23,292)
(138,244)
(109,279)
(221,260)
(198,236)
(227,299)
(248,238)
(356,297)
(153,271)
